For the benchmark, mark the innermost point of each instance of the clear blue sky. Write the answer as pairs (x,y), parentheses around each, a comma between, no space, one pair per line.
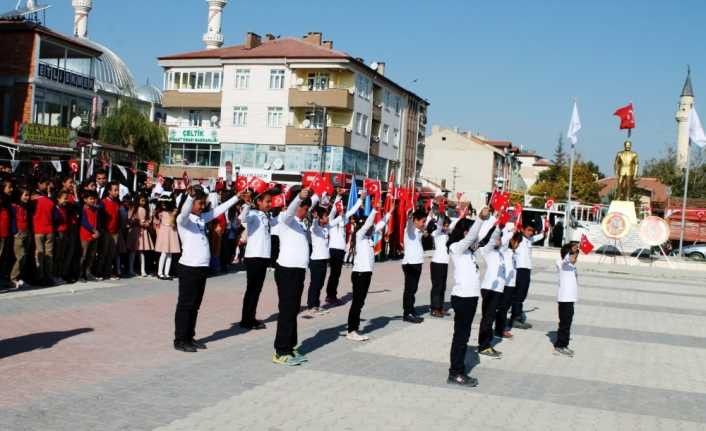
(508,70)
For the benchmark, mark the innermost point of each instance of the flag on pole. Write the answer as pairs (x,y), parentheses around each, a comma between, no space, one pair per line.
(574,126)
(696,130)
(352,196)
(585,245)
(627,117)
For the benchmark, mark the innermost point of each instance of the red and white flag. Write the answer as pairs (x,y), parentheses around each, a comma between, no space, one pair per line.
(585,245)
(549,204)
(278,201)
(627,117)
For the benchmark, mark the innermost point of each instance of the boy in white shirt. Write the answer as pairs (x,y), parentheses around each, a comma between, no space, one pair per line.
(566,297)
(412,262)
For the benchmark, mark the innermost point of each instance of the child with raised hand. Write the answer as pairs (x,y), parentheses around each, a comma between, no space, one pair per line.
(363,263)
(566,297)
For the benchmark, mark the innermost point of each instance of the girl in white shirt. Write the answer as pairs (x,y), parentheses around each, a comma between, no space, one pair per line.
(465,291)
(290,273)
(566,296)
(363,269)
(255,216)
(439,266)
(510,241)
(193,265)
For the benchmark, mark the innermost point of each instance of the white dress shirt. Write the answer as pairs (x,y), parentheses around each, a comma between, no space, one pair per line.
(494,277)
(524,251)
(441,252)
(337,231)
(258,228)
(413,250)
(293,239)
(466,277)
(195,250)
(320,237)
(568,280)
(364,258)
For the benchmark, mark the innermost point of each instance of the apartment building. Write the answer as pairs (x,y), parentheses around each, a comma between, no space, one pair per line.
(277,107)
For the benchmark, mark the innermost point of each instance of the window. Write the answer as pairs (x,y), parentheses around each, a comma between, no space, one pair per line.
(358,123)
(275,116)
(276,79)
(199,81)
(316,119)
(216,81)
(242,79)
(385,134)
(203,81)
(317,81)
(208,80)
(365,125)
(398,105)
(240,116)
(388,102)
(176,81)
(363,87)
(195,118)
(396,138)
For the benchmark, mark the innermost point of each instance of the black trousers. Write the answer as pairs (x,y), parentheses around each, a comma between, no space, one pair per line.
(439,274)
(335,263)
(290,286)
(317,270)
(192,283)
(566,315)
(504,304)
(464,310)
(489,308)
(255,270)
(522,282)
(412,272)
(361,284)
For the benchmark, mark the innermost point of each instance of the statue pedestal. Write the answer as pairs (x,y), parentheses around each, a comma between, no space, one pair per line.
(626,208)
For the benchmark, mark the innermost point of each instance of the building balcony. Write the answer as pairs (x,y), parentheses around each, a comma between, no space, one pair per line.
(335,136)
(332,98)
(181,99)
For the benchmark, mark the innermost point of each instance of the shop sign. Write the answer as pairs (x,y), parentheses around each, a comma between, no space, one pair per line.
(65,77)
(33,133)
(192,135)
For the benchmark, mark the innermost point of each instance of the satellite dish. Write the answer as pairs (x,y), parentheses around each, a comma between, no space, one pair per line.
(278,164)
(374,65)
(214,119)
(306,123)
(76,122)
(266,166)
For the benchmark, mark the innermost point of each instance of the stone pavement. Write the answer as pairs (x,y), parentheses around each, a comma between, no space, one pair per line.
(101,359)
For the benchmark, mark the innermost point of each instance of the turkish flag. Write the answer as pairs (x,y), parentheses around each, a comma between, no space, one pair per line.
(585,245)
(272,185)
(442,206)
(278,201)
(518,216)
(499,200)
(317,185)
(258,185)
(549,204)
(627,117)
(391,186)
(503,218)
(328,186)
(402,207)
(373,189)
(240,184)
(73,165)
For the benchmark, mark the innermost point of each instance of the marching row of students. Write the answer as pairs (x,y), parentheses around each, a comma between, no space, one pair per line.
(309,230)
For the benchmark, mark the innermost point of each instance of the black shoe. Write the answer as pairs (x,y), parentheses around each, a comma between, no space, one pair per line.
(462,380)
(256,324)
(198,344)
(521,325)
(184,346)
(412,318)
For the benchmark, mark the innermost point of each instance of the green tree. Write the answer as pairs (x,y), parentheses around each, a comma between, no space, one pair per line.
(130,127)
(664,169)
(554,183)
(559,154)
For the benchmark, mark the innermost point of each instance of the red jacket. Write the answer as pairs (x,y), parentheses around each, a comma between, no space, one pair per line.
(89,223)
(21,218)
(4,222)
(43,218)
(112,215)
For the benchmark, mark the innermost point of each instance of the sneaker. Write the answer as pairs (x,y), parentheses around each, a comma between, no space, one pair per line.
(562,351)
(571,351)
(462,380)
(299,356)
(355,336)
(91,277)
(498,352)
(184,346)
(438,313)
(490,352)
(19,284)
(521,325)
(287,360)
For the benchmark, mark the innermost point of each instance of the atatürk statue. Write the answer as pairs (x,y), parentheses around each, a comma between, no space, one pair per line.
(626,166)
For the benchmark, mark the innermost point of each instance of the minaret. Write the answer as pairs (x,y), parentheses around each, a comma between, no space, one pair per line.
(686,102)
(213,38)
(81,9)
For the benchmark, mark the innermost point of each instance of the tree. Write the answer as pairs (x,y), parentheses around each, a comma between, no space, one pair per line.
(130,127)
(554,183)
(664,169)
(559,154)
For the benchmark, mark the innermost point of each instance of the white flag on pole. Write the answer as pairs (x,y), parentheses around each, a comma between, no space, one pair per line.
(122,170)
(574,126)
(57,165)
(696,130)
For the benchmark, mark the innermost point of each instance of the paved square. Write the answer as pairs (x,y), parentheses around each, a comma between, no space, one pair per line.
(101,358)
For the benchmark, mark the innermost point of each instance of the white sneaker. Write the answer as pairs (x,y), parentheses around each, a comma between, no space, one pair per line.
(19,284)
(355,336)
